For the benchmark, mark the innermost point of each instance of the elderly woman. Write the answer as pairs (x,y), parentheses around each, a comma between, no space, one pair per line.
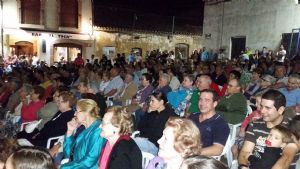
(29,109)
(84,149)
(141,96)
(181,139)
(57,126)
(152,124)
(120,151)
(48,111)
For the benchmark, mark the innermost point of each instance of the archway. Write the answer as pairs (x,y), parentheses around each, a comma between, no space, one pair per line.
(22,48)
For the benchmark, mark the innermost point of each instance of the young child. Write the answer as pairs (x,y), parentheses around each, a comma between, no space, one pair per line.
(180,98)
(277,139)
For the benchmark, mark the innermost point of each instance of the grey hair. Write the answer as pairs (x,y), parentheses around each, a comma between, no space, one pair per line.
(27,87)
(166,77)
(295,76)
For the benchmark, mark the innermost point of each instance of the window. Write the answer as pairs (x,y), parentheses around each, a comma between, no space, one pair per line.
(69,13)
(30,12)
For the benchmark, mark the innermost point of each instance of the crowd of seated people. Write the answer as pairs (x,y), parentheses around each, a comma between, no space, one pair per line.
(183,110)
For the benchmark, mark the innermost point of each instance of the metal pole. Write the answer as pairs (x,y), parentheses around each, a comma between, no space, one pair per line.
(173,24)
(222,24)
(291,41)
(2,45)
(298,38)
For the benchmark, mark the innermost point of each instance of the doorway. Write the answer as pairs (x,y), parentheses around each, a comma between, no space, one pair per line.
(238,44)
(66,52)
(182,51)
(22,48)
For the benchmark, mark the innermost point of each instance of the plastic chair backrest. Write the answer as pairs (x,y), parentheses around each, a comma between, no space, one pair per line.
(147,157)
(54,140)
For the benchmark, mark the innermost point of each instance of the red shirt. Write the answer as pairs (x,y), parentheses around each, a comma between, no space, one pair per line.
(29,112)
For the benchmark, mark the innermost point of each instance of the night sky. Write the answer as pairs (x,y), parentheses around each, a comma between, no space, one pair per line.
(149,14)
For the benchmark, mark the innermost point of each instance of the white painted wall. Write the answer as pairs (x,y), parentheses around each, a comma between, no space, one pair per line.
(11,21)
(261,21)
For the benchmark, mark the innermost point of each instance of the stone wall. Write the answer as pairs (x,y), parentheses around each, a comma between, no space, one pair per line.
(262,22)
(124,42)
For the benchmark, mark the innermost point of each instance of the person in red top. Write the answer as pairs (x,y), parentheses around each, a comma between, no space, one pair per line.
(29,109)
(79,61)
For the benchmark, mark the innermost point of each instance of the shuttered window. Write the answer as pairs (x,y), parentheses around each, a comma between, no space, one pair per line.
(69,13)
(30,12)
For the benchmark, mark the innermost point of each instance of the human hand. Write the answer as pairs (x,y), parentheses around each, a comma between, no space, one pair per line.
(55,149)
(72,126)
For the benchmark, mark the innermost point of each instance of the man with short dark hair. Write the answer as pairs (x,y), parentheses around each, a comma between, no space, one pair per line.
(272,108)
(213,128)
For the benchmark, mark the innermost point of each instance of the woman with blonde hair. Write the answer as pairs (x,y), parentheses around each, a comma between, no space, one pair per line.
(120,151)
(181,139)
(84,149)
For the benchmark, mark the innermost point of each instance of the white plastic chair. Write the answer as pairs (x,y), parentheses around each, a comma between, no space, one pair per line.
(135,134)
(234,131)
(249,110)
(109,102)
(226,150)
(56,139)
(147,157)
(24,124)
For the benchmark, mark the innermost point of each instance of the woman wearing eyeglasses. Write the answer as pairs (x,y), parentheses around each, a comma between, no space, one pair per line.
(57,126)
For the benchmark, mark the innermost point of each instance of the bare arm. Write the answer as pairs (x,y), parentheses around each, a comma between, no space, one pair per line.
(111,93)
(287,157)
(278,85)
(246,152)
(214,150)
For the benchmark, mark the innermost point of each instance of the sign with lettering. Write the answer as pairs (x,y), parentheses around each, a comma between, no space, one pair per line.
(58,35)
(52,35)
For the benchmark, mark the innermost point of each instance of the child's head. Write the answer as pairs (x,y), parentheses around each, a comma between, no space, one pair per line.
(258,100)
(279,136)
(188,81)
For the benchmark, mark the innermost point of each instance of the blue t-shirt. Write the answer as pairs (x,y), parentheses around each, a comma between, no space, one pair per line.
(292,97)
(213,131)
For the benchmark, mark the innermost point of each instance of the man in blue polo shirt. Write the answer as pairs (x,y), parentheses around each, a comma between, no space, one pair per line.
(292,91)
(213,128)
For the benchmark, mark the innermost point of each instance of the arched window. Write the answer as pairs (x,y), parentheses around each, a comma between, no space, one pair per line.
(30,12)
(182,51)
(69,13)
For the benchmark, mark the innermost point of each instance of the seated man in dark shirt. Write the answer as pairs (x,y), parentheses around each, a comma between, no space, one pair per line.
(213,128)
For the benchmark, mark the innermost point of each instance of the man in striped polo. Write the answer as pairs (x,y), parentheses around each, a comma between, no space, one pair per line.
(272,108)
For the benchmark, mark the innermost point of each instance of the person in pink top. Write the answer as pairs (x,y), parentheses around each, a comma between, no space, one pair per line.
(29,109)
(120,150)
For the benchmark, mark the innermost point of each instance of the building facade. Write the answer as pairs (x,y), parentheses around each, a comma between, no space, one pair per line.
(53,30)
(110,43)
(236,24)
